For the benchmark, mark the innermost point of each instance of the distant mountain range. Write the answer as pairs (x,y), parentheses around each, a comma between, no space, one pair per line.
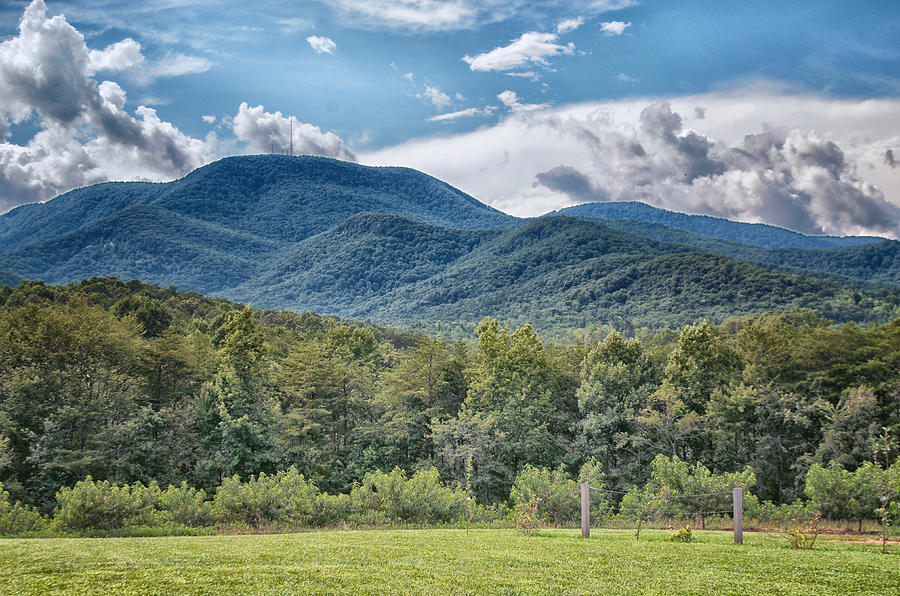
(398,246)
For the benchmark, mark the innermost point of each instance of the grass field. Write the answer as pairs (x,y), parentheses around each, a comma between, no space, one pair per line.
(444,562)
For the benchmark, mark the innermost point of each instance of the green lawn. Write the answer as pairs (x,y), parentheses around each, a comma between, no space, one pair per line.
(444,562)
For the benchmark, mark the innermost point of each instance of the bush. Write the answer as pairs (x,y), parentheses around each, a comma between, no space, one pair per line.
(527,518)
(105,506)
(683,535)
(551,493)
(185,506)
(782,515)
(285,498)
(392,498)
(16,518)
(803,536)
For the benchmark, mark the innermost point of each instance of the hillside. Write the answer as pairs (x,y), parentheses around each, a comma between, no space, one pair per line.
(366,256)
(761,235)
(562,273)
(146,242)
(395,245)
(876,262)
(277,197)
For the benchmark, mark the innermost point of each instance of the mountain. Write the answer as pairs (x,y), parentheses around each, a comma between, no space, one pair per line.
(563,273)
(367,255)
(761,235)
(276,197)
(876,263)
(146,242)
(398,246)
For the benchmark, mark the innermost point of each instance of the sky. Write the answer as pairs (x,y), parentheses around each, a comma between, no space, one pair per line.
(785,113)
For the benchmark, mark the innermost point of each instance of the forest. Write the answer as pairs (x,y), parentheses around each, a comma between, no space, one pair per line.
(127,383)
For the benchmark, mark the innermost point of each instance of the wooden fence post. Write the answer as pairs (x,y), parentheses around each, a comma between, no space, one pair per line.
(738,498)
(585,510)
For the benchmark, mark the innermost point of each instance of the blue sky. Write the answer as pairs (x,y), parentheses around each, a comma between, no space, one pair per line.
(529,106)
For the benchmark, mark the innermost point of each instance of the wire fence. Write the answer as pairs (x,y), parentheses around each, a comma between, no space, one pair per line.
(661,509)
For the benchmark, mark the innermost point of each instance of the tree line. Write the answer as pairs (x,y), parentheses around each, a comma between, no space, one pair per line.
(127,383)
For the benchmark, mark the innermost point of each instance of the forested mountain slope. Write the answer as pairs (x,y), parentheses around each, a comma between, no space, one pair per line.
(875,262)
(277,197)
(761,235)
(393,244)
(559,273)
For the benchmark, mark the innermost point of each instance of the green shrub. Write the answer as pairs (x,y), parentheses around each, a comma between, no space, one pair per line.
(527,517)
(683,535)
(551,493)
(105,506)
(285,498)
(803,536)
(186,506)
(393,498)
(16,518)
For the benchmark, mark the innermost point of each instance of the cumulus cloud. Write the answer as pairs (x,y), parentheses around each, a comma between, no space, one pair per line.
(889,158)
(533,162)
(613,28)
(264,131)
(322,45)
(570,182)
(511,100)
(569,25)
(624,78)
(529,48)
(438,98)
(466,113)
(87,135)
(118,56)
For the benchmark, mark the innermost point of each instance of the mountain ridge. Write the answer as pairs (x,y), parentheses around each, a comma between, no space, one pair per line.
(754,234)
(398,246)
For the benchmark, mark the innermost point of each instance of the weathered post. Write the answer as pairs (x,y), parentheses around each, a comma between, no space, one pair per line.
(738,498)
(585,510)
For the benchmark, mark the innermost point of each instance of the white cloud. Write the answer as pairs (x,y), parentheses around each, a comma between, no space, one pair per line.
(511,100)
(172,64)
(467,113)
(613,28)
(322,45)
(528,74)
(757,158)
(118,56)
(265,131)
(408,76)
(294,24)
(438,98)
(531,47)
(569,25)
(624,78)
(599,6)
(438,15)
(447,15)
(86,134)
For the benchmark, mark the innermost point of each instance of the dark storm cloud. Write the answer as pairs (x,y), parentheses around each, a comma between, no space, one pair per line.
(571,182)
(790,178)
